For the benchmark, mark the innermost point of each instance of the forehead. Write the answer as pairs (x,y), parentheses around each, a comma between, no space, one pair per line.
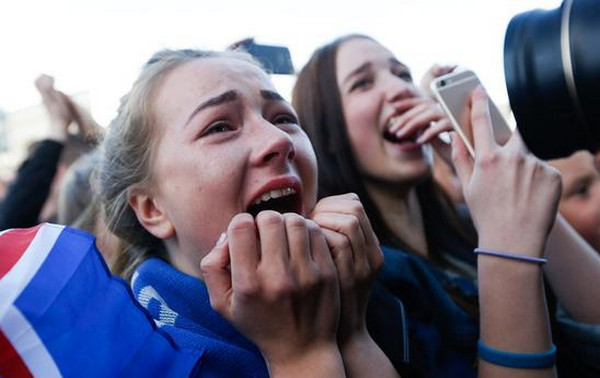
(357,51)
(183,88)
(208,75)
(577,165)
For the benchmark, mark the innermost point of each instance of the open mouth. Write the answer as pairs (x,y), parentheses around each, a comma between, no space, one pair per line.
(285,200)
(392,138)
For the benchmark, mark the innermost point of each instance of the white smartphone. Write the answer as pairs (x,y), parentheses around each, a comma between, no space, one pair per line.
(453,93)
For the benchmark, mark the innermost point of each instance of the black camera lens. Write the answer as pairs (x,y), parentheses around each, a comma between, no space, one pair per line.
(442,83)
(552,68)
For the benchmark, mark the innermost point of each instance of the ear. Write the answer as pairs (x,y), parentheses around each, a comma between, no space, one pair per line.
(150,214)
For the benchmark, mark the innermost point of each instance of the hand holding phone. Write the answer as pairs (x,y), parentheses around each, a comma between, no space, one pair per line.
(453,92)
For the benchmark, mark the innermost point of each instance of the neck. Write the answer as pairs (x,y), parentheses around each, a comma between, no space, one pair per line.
(401,213)
(188,263)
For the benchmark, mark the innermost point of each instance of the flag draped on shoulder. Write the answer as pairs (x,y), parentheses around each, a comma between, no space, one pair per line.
(63,314)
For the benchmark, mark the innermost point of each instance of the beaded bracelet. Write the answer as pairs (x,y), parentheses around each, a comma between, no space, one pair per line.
(508,255)
(542,360)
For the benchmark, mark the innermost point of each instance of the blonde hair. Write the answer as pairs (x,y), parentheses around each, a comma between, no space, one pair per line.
(128,153)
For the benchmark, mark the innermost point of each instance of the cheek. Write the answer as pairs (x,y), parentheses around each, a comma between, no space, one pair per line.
(198,184)
(361,114)
(583,217)
(306,162)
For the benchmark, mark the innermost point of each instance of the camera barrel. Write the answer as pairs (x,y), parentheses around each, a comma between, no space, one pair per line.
(552,69)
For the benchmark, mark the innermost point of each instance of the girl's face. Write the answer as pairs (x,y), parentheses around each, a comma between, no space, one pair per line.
(374,88)
(228,144)
(580,202)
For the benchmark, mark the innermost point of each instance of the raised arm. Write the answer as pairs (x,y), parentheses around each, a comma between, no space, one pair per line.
(513,199)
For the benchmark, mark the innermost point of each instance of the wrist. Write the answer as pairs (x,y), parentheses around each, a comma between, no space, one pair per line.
(498,268)
(57,132)
(318,361)
(526,246)
(355,342)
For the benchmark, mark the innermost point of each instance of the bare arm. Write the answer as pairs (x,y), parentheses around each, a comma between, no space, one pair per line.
(573,271)
(513,198)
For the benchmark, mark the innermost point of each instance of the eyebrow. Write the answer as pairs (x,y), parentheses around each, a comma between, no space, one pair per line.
(362,68)
(228,96)
(583,180)
(396,62)
(271,95)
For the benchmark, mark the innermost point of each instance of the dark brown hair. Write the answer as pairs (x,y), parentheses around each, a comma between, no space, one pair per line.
(316,98)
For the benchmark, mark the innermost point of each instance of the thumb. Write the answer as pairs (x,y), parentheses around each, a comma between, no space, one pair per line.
(463,163)
(215,268)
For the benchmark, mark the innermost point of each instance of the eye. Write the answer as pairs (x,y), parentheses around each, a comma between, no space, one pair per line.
(361,83)
(582,191)
(285,119)
(402,73)
(218,127)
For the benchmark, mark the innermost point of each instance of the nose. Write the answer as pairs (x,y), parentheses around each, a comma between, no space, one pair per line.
(397,89)
(273,145)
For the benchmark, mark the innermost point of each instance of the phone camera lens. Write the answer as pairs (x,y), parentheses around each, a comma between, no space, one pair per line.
(442,83)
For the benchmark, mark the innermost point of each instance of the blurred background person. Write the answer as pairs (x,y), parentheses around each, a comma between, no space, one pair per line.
(32,196)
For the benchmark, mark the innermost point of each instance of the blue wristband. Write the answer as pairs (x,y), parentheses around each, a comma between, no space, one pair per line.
(511,256)
(542,360)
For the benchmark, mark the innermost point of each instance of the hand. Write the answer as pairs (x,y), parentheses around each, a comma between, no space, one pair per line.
(432,73)
(425,120)
(56,104)
(275,281)
(356,254)
(512,195)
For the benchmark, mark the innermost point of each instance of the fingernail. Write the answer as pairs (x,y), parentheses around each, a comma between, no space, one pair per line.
(420,139)
(221,240)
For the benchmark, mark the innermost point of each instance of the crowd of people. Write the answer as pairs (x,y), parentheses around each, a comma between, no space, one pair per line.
(313,238)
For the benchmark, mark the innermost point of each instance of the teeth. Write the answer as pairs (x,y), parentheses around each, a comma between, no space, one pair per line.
(277,193)
(392,122)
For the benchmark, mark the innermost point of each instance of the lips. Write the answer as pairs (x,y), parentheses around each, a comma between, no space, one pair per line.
(281,195)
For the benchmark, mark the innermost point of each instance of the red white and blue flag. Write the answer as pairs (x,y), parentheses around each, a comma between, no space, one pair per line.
(63,314)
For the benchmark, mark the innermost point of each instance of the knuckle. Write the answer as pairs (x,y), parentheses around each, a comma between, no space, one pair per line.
(356,207)
(342,244)
(248,288)
(279,289)
(554,175)
(328,273)
(518,159)
(352,224)
(312,226)
(487,160)
(241,222)
(269,218)
(353,196)
(363,273)
(293,220)
(310,281)
(377,260)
